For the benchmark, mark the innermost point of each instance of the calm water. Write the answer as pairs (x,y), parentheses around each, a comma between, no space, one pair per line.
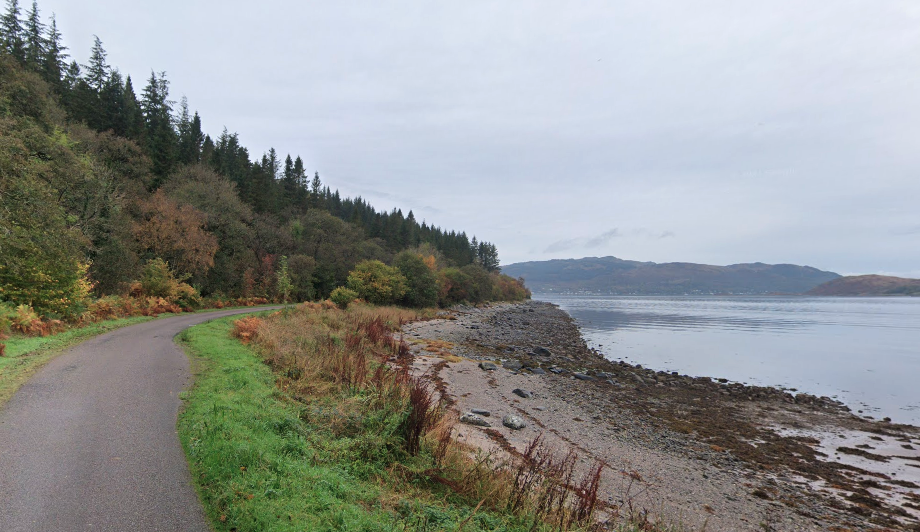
(862,351)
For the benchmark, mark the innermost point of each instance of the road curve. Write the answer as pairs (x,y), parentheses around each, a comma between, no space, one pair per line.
(90,443)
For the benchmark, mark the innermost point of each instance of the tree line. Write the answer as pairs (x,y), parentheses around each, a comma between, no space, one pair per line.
(97,181)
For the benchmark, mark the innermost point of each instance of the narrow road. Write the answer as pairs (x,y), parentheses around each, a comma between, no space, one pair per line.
(90,443)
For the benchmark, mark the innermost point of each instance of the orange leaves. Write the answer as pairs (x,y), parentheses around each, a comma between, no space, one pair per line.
(246,329)
(176,233)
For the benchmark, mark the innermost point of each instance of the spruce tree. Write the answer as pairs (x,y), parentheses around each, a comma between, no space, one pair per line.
(112,105)
(34,39)
(132,116)
(160,136)
(97,71)
(54,63)
(12,32)
(190,135)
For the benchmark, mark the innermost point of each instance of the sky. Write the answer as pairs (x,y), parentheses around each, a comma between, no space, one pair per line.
(719,131)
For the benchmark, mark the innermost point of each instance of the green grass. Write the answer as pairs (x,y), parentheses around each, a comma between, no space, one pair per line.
(25,355)
(259,466)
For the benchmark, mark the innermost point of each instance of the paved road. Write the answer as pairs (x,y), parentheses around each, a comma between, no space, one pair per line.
(89,443)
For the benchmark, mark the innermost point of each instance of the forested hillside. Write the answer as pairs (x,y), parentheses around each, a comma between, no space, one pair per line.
(610,275)
(868,285)
(97,180)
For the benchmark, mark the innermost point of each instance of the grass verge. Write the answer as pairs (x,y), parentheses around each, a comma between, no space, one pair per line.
(26,354)
(271,451)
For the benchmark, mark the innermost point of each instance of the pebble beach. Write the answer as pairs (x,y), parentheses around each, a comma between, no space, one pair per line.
(697,452)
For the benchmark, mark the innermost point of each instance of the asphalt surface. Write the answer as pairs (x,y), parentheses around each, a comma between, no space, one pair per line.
(90,443)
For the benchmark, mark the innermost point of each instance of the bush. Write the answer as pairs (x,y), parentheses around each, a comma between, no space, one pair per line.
(421,281)
(377,283)
(453,287)
(7,314)
(342,296)
(158,281)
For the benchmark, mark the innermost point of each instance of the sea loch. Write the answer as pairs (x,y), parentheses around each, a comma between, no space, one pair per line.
(862,351)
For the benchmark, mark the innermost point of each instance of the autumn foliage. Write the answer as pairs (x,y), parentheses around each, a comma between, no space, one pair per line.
(175,233)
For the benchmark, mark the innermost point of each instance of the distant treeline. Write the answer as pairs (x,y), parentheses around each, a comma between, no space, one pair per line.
(96,181)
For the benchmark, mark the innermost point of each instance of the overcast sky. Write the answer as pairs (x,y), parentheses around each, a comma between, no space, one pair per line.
(719,131)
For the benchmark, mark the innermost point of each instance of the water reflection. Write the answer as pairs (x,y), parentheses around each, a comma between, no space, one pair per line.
(862,350)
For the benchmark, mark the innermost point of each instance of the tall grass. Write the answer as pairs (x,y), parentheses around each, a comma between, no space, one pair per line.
(350,371)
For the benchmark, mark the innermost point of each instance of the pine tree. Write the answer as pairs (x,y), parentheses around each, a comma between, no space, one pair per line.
(34,39)
(12,32)
(54,63)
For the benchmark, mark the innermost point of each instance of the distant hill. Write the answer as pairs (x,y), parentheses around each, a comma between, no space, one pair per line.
(610,275)
(868,285)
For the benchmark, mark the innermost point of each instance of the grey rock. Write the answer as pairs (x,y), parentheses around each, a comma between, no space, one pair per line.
(488,366)
(537,371)
(583,377)
(542,351)
(512,365)
(557,371)
(473,419)
(522,393)
(480,412)
(513,422)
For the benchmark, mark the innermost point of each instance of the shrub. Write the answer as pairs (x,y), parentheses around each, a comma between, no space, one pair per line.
(421,281)
(246,329)
(377,283)
(507,288)
(159,281)
(283,284)
(453,287)
(7,313)
(342,296)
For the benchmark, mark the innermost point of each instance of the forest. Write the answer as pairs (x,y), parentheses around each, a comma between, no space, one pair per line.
(107,192)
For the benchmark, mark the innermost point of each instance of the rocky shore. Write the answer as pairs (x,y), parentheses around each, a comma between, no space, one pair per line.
(700,452)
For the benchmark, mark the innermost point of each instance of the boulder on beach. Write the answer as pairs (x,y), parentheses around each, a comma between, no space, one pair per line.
(488,366)
(513,422)
(474,419)
(522,393)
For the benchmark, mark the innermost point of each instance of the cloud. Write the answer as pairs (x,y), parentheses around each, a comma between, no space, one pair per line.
(651,235)
(561,245)
(905,231)
(603,238)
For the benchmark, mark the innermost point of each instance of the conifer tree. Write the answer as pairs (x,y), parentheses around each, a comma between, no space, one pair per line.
(133,124)
(97,71)
(190,135)
(12,32)
(315,186)
(160,136)
(54,63)
(34,39)
(112,105)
